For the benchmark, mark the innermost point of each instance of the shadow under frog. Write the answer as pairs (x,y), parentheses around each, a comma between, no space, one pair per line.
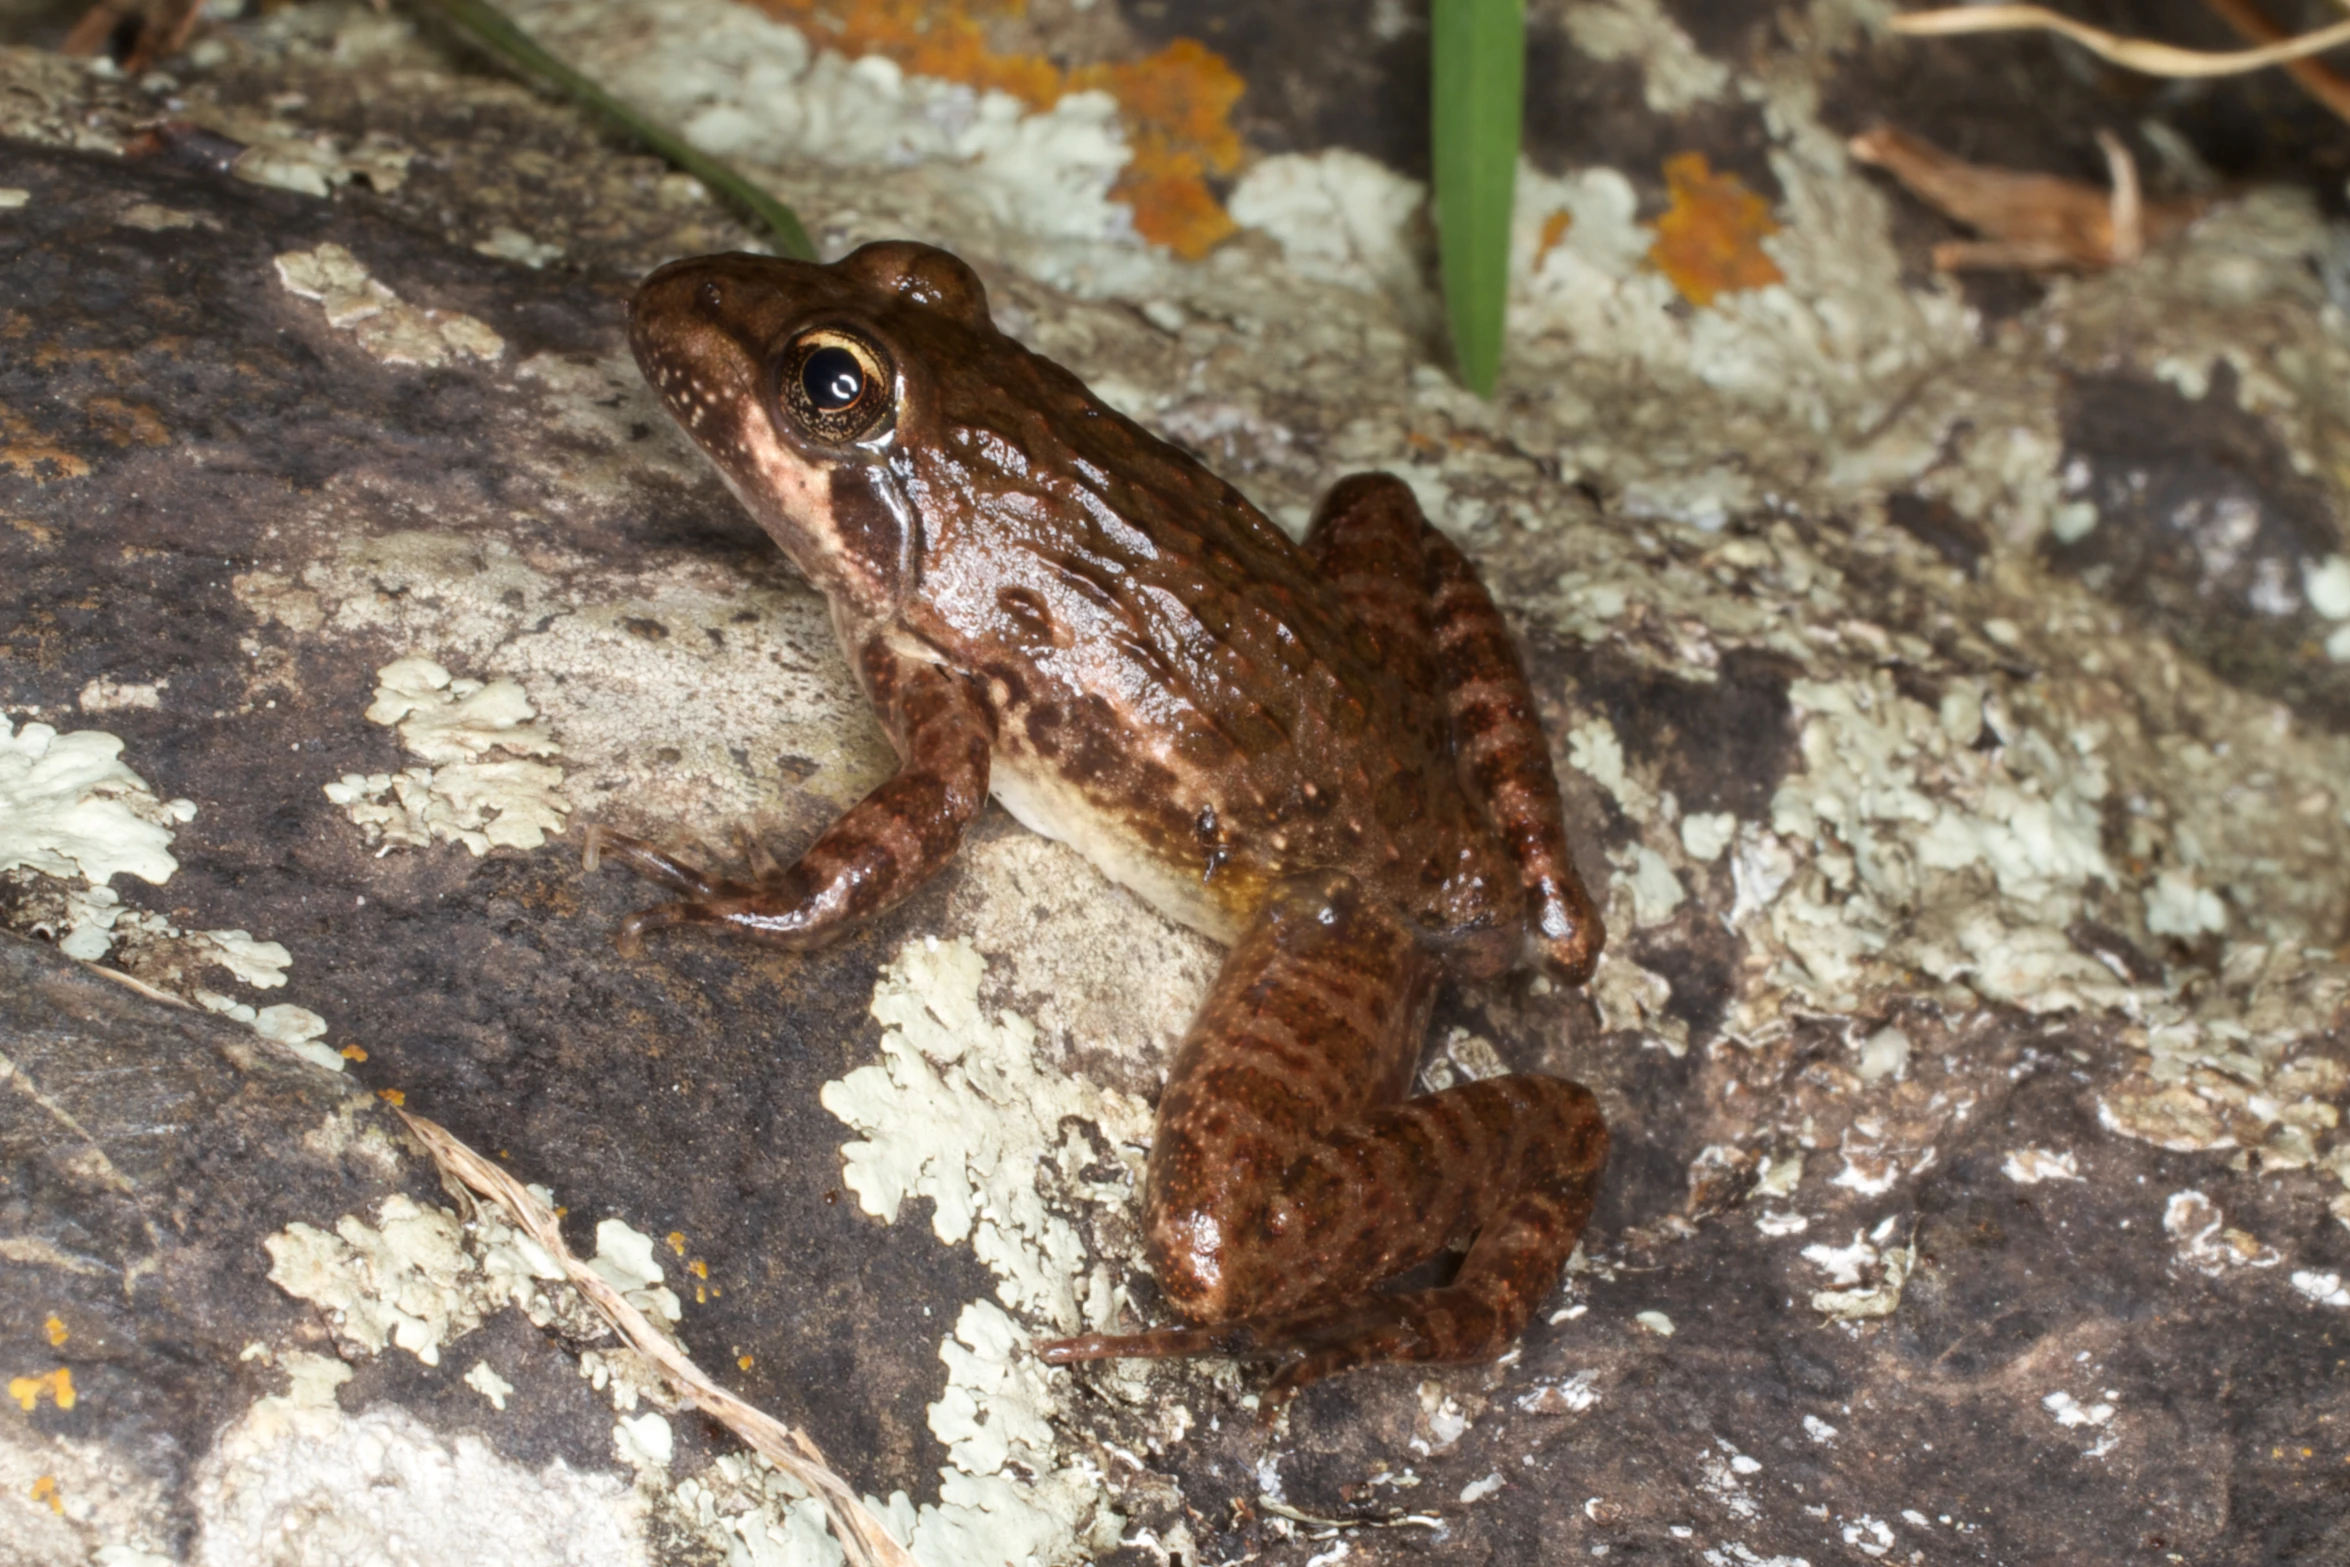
(1322,754)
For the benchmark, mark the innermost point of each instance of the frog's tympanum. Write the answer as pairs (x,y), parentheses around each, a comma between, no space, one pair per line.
(1323,754)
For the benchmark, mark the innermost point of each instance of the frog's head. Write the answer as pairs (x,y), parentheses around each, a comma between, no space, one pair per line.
(811,386)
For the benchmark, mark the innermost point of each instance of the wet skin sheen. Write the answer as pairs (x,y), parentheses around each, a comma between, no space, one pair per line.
(1323,754)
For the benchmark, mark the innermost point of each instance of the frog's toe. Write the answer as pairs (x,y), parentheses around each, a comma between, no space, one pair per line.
(1157,1344)
(629,937)
(1324,1343)
(649,861)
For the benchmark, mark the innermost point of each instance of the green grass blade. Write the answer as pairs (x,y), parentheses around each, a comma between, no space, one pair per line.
(495,31)
(1480,95)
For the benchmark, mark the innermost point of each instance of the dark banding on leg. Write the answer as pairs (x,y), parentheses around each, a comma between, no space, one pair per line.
(1290,1176)
(881,850)
(1505,761)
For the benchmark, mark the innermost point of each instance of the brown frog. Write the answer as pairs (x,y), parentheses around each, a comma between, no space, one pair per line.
(1323,754)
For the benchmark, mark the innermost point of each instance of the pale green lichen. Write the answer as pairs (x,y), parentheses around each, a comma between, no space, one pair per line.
(70,810)
(961,1110)
(468,793)
(378,320)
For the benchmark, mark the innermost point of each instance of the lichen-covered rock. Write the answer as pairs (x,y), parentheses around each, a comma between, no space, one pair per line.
(1951,691)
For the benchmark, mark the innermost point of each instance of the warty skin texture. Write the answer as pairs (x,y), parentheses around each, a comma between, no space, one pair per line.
(1324,755)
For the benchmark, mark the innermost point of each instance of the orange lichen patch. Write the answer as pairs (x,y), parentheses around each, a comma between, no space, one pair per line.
(45,1490)
(698,1268)
(127,424)
(58,1385)
(38,459)
(354,1052)
(1709,242)
(391,1096)
(676,1239)
(1176,104)
(1173,205)
(946,40)
(1554,229)
(743,1361)
(55,1328)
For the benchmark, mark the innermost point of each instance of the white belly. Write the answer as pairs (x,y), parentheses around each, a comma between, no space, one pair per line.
(1046,804)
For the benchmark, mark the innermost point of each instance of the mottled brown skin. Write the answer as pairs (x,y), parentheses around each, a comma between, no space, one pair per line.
(1325,755)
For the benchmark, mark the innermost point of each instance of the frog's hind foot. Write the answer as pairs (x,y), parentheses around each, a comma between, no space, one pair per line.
(1157,1344)
(1457,1324)
(647,860)
(704,899)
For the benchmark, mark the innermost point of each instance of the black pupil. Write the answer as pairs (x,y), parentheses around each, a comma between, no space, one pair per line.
(832,379)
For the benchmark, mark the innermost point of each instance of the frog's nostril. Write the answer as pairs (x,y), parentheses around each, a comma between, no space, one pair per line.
(712,294)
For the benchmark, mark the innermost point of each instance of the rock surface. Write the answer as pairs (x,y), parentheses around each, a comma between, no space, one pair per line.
(1951,689)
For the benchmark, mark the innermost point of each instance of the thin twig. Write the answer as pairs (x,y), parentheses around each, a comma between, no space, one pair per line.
(863,1538)
(2127,206)
(2320,81)
(2139,54)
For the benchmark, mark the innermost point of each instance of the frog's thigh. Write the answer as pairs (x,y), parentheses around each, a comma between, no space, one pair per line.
(1504,758)
(1365,540)
(1316,1018)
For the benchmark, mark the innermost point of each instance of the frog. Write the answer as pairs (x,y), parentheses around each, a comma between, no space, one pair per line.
(1322,753)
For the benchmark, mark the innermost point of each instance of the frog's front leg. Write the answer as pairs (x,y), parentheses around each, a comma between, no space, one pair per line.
(1289,1175)
(888,843)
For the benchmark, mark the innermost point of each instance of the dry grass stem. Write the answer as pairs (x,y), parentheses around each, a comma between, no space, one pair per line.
(2317,79)
(862,1537)
(2139,54)
(2125,209)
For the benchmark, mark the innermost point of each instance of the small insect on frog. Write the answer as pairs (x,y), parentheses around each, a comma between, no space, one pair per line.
(1322,754)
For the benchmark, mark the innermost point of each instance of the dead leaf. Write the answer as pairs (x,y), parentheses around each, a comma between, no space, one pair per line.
(2034,222)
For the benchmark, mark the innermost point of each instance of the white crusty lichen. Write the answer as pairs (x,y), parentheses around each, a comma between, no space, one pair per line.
(358,1480)
(959,1110)
(759,92)
(479,786)
(657,678)
(297,1028)
(407,1279)
(419,1279)
(380,321)
(1928,852)
(71,811)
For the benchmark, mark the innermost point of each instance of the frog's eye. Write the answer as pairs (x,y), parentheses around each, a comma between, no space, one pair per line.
(837,384)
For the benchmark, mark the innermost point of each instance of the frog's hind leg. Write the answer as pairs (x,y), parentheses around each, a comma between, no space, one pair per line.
(1505,761)
(1434,624)
(1288,1175)
(1365,541)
